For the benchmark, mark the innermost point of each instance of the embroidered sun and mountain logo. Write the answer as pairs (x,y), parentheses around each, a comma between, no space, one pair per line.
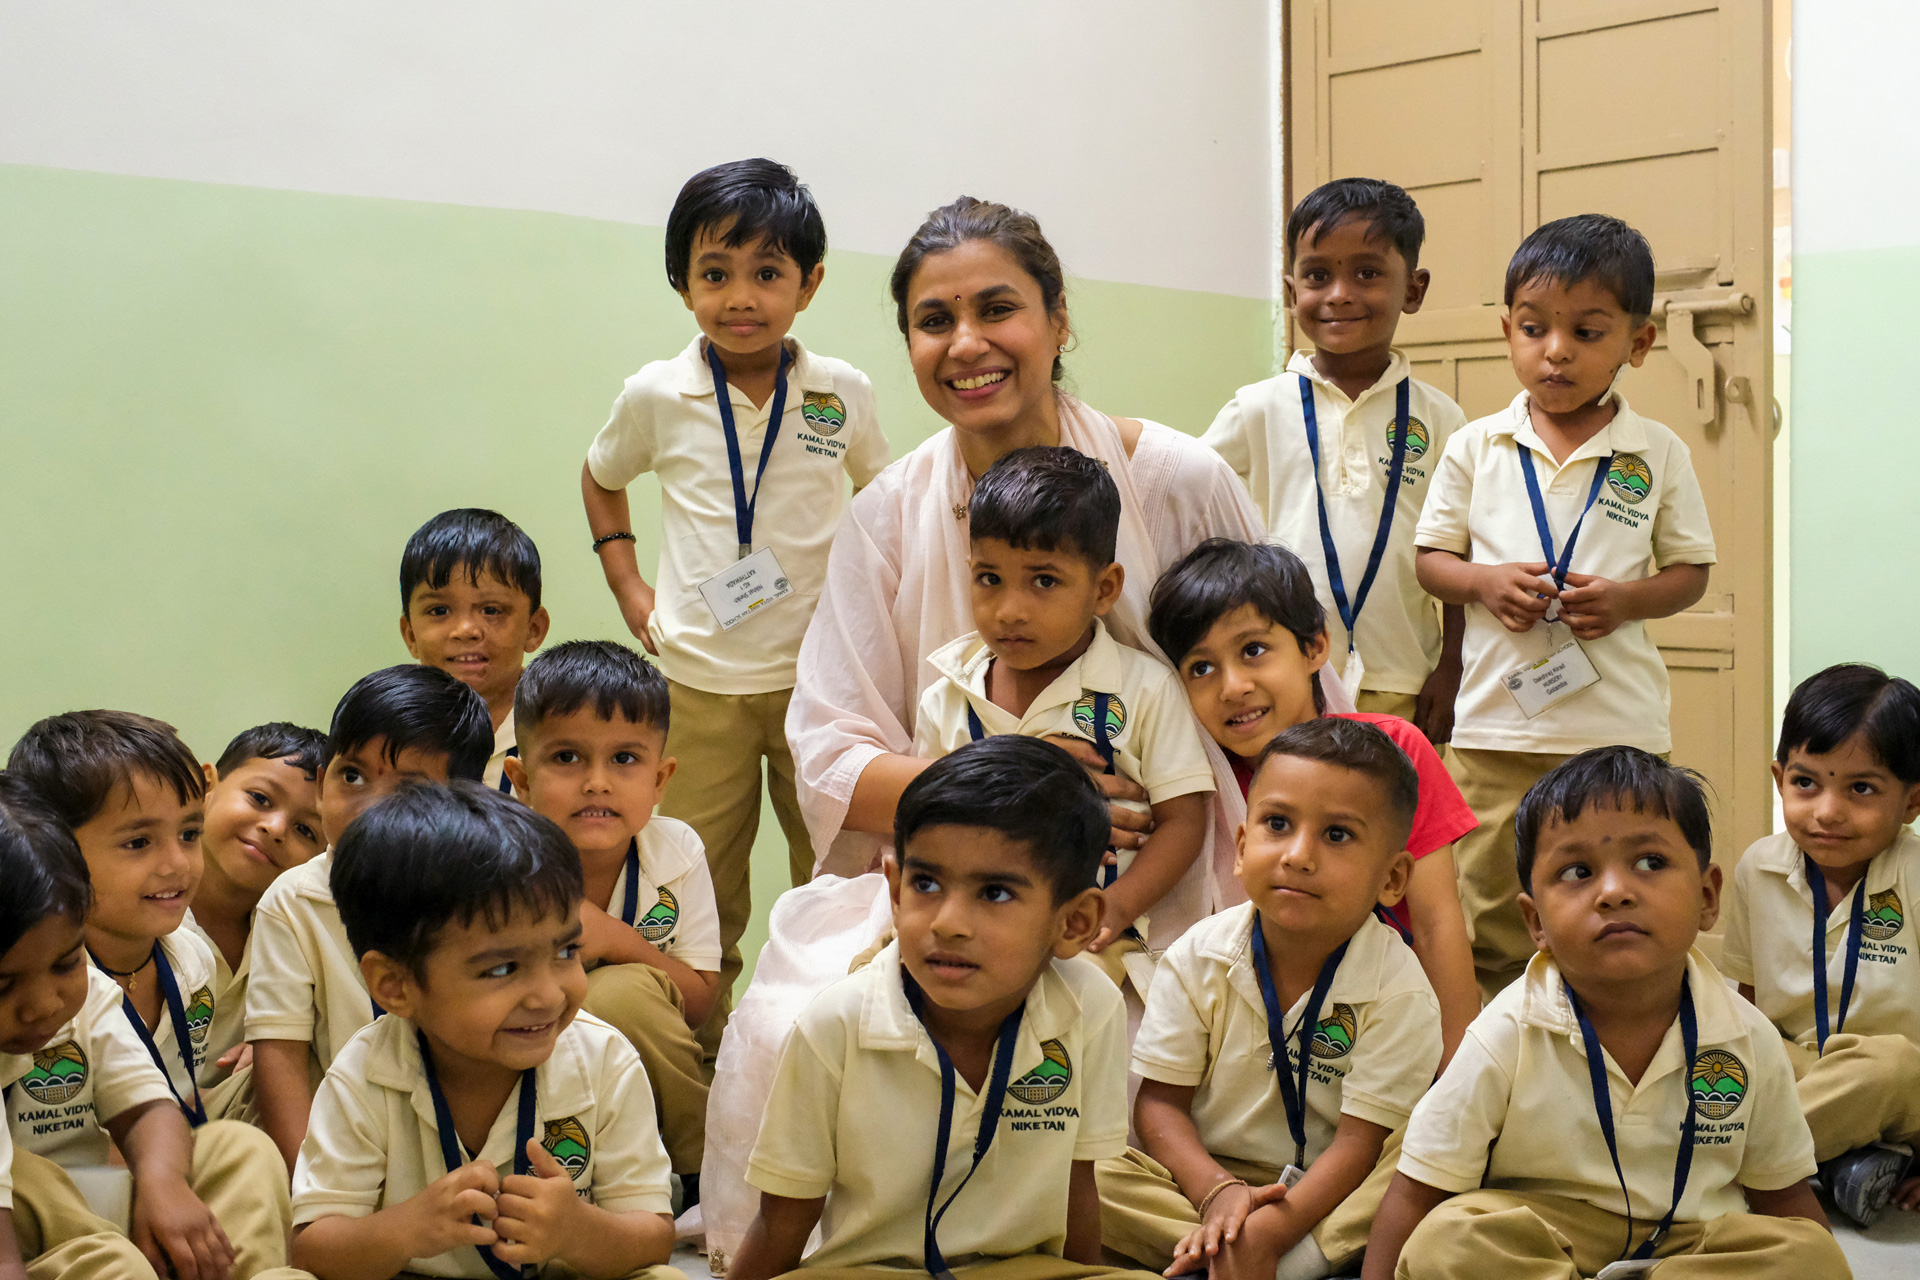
(1630,478)
(1719,1084)
(824,411)
(200,1015)
(1333,1038)
(1048,1080)
(659,922)
(59,1074)
(566,1140)
(1883,919)
(1083,715)
(1418,438)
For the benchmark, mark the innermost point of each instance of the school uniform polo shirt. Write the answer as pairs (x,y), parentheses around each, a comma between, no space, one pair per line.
(675,908)
(192,958)
(1262,435)
(228,988)
(373,1142)
(1650,514)
(1769,941)
(12,1067)
(1515,1106)
(1376,1043)
(505,740)
(306,982)
(93,1069)
(855,1109)
(667,421)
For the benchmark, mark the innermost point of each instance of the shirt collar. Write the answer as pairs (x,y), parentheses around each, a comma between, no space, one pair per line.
(1356,981)
(1543,1002)
(314,879)
(562,1084)
(1627,433)
(887,1021)
(1397,368)
(1100,669)
(806,373)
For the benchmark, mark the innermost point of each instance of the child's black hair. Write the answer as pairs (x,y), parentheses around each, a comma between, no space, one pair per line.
(1048,498)
(751,199)
(1388,210)
(609,677)
(475,541)
(429,856)
(77,760)
(415,706)
(1361,747)
(1219,576)
(1616,778)
(1588,246)
(1831,706)
(296,745)
(40,864)
(1027,789)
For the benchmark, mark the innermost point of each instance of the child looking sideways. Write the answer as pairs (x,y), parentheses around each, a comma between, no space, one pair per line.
(486,1125)
(306,997)
(744,416)
(944,1104)
(1322,445)
(1817,931)
(593,721)
(1566,477)
(470,605)
(1618,1102)
(1246,634)
(1328,814)
(1040,662)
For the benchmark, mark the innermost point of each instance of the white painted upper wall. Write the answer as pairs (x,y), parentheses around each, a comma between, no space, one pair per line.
(1138,131)
(1856,161)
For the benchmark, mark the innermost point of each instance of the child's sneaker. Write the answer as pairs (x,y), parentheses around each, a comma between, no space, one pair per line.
(1862,1181)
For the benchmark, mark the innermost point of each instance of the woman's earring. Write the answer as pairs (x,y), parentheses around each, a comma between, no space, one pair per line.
(1063,348)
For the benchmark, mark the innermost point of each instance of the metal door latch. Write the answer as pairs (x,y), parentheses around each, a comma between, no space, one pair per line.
(1703,405)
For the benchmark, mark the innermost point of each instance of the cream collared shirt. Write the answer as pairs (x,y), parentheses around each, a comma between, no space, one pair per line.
(855,1108)
(1375,1047)
(1519,1085)
(12,1067)
(193,959)
(306,983)
(1262,435)
(229,991)
(674,908)
(505,740)
(667,421)
(1650,514)
(1769,941)
(372,1141)
(93,1069)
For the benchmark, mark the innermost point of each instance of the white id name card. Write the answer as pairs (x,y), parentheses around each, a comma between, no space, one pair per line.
(1628,1269)
(1553,679)
(745,588)
(1356,671)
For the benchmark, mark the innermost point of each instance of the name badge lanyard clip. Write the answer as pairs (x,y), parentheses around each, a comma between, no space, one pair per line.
(1350,613)
(1102,742)
(1603,1107)
(743,504)
(450,1146)
(1856,921)
(196,1111)
(989,1122)
(1293,1096)
(1559,564)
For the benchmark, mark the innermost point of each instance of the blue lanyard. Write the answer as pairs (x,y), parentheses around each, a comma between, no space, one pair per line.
(1292,1097)
(1565,557)
(196,1112)
(1102,742)
(989,1120)
(450,1142)
(742,504)
(1603,1106)
(630,908)
(1350,614)
(1817,881)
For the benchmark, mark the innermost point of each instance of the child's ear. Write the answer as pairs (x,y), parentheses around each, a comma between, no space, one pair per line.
(389,983)
(1710,882)
(1239,847)
(1780,779)
(211,773)
(1642,344)
(1912,810)
(1317,651)
(1077,921)
(537,626)
(668,767)
(1531,915)
(517,776)
(1291,298)
(811,285)
(1106,589)
(686,296)
(1418,281)
(406,637)
(890,868)
(1393,889)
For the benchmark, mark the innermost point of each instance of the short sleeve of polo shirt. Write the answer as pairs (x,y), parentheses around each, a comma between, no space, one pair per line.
(1455,1124)
(631,1173)
(1779,1145)
(1102,1132)
(696,935)
(794,1154)
(1444,517)
(868,450)
(280,991)
(1736,939)
(1172,758)
(1394,1057)
(1176,1028)
(1228,438)
(623,451)
(1681,533)
(342,1170)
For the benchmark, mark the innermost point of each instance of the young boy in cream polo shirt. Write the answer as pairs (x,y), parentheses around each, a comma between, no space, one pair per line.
(1353,254)
(1619,1103)
(748,508)
(1562,523)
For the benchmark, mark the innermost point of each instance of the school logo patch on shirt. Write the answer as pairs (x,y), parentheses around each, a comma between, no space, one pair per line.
(1719,1084)
(59,1074)
(1083,715)
(1333,1038)
(566,1140)
(1418,438)
(1048,1080)
(1630,478)
(823,411)
(1883,919)
(659,922)
(200,1015)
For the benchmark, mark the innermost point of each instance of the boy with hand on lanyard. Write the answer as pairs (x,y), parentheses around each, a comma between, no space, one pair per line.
(1562,523)
(1618,1107)
(1817,930)
(754,439)
(486,1127)
(125,1064)
(943,1106)
(1338,450)
(593,719)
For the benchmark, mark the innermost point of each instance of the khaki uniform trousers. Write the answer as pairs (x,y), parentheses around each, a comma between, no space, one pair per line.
(1493,784)
(1864,1089)
(60,1237)
(1028,1266)
(1504,1234)
(232,1098)
(642,1004)
(719,740)
(1378,702)
(237,1173)
(555,1271)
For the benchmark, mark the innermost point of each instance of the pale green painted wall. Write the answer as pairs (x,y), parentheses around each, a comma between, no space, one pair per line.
(223,409)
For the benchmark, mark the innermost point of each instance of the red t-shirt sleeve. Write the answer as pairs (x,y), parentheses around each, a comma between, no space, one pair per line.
(1442,816)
